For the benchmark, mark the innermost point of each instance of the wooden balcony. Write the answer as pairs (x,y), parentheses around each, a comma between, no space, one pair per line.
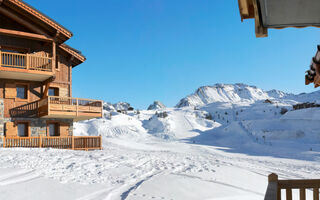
(60,107)
(69,142)
(275,186)
(25,66)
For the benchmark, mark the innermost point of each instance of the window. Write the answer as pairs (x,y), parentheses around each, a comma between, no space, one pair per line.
(53,91)
(22,92)
(53,129)
(22,129)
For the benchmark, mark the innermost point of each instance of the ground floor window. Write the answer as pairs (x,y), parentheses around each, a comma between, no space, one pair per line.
(22,129)
(53,91)
(53,129)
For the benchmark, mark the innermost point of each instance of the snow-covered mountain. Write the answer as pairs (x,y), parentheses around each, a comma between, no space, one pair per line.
(120,106)
(156,105)
(231,93)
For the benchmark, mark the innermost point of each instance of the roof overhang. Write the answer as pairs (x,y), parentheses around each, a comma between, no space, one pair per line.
(41,23)
(41,27)
(280,14)
(76,56)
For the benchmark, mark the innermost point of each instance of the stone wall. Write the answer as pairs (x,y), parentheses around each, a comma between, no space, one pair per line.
(38,126)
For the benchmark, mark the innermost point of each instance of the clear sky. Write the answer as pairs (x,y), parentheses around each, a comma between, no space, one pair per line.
(139,51)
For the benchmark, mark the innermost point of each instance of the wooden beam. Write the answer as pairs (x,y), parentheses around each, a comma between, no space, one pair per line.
(260,30)
(54,56)
(26,35)
(46,90)
(22,21)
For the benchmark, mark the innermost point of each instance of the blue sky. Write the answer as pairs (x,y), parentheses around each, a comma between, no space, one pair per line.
(139,51)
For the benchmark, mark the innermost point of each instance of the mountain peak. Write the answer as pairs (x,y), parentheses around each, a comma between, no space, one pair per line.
(232,93)
(156,105)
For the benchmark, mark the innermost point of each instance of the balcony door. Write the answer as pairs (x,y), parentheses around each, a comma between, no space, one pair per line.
(22,129)
(53,129)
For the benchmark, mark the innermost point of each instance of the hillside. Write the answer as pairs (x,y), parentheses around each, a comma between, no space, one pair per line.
(226,134)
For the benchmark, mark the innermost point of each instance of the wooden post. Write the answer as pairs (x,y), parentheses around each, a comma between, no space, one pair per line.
(289,194)
(4,141)
(72,142)
(77,107)
(303,194)
(273,191)
(315,193)
(27,61)
(40,141)
(54,56)
(0,58)
(100,142)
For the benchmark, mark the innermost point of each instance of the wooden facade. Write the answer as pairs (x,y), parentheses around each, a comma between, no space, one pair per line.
(36,77)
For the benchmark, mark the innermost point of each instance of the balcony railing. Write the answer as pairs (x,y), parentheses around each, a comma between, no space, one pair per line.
(60,107)
(25,61)
(57,142)
(275,186)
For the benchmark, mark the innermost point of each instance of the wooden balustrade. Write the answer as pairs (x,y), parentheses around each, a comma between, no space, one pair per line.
(275,186)
(59,107)
(57,142)
(25,61)
(26,110)
(74,106)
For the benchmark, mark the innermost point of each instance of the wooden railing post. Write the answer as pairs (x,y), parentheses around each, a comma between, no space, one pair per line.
(4,141)
(302,192)
(27,61)
(72,142)
(40,141)
(77,106)
(0,58)
(273,191)
(100,142)
(315,193)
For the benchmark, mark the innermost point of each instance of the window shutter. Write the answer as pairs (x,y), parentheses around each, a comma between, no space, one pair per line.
(11,130)
(10,91)
(64,129)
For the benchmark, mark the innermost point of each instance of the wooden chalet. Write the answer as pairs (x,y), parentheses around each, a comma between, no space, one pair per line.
(37,108)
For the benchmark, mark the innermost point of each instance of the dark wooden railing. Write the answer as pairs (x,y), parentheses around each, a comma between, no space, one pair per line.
(69,142)
(26,110)
(25,61)
(275,186)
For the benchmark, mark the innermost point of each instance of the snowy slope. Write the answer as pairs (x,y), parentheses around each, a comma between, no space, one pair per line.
(201,150)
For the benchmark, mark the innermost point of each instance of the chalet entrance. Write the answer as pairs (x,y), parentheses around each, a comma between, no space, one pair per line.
(22,129)
(53,129)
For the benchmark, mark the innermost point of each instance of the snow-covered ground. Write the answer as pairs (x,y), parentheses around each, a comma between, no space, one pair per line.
(216,145)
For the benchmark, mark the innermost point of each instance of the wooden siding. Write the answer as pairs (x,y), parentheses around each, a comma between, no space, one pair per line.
(64,129)
(11,129)
(10,91)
